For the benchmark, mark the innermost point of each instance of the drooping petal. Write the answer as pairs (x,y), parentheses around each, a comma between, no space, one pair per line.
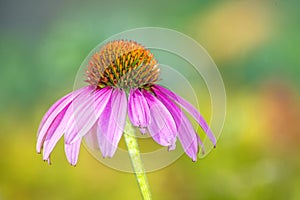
(186,133)
(190,109)
(188,138)
(50,118)
(55,123)
(143,131)
(83,109)
(53,135)
(138,109)
(91,139)
(72,151)
(78,105)
(102,129)
(175,111)
(51,109)
(56,134)
(85,113)
(162,127)
(112,122)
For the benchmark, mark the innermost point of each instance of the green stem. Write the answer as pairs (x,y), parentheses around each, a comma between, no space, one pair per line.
(136,161)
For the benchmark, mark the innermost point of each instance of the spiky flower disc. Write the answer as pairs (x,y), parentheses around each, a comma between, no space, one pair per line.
(122,64)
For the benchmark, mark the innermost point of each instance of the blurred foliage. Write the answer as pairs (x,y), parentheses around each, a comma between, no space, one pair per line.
(255,45)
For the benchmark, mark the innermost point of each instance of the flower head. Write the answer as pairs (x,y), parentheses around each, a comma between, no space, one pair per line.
(122,79)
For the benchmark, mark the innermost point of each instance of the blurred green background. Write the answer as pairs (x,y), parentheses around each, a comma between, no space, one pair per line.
(256,46)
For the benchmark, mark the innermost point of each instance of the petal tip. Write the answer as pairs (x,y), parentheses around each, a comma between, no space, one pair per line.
(171,148)
(48,161)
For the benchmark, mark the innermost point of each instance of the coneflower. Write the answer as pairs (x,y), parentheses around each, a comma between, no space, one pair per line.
(122,79)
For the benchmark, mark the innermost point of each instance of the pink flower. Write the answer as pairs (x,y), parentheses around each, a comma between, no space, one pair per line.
(122,78)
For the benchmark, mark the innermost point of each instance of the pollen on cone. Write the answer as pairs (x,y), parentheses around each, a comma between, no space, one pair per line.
(122,64)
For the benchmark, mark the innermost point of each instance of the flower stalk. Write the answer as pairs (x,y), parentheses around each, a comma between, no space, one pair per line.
(136,160)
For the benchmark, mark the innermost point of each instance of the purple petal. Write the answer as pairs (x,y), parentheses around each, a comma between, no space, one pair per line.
(50,119)
(186,133)
(85,113)
(81,103)
(188,138)
(54,134)
(143,131)
(111,123)
(162,127)
(90,116)
(72,151)
(51,109)
(190,109)
(91,138)
(172,147)
(102,129)
(138,110)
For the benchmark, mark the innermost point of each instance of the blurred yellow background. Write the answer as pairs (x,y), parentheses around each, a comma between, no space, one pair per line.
(256,46)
